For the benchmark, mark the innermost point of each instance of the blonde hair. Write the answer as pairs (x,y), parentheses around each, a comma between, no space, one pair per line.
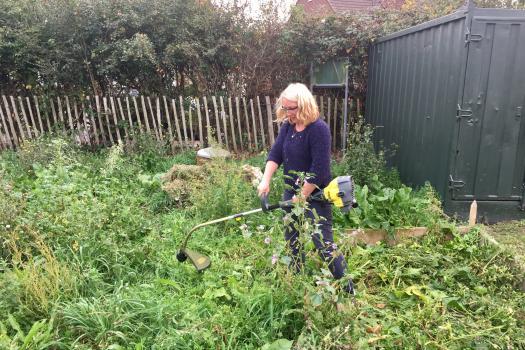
(307,110)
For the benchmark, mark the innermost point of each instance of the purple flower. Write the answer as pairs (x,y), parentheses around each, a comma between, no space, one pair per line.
(274,259)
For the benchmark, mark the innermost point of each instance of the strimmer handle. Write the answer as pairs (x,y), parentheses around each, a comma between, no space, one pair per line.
(269,207)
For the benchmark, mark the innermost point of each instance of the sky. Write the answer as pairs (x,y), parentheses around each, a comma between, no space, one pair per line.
(255,5)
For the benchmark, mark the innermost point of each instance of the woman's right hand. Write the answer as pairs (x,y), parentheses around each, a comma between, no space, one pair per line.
(263,188)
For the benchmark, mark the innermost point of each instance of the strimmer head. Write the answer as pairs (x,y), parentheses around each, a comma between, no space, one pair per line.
(200,261)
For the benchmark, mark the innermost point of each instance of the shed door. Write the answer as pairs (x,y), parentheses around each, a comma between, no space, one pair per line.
(490,154)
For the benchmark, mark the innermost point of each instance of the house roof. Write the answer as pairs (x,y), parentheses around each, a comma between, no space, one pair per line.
(346,5)
(323,7)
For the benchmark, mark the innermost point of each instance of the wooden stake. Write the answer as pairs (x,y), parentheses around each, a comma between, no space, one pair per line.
(11,122)
(208,126)
(335,125)
(199,116)
(131,130)
(247,117)
(69,115)
(92,115)
(61,114)
(145,114)
(217,124)
(99,116)
(254,127)
(237,109)
(24,116)
(17,119)
(123,118)
(190,118)
(172,146)
(183,117)
(263,138)
(40,117)
(115,120)
(270,120)
(137,112)
(35,129)
(159,122)
(176,118)
(230,109)
(6,131)
(473,214)
(107,111)
(157,136)
(223,118)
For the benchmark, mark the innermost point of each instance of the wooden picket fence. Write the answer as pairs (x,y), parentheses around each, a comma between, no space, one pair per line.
(235,123)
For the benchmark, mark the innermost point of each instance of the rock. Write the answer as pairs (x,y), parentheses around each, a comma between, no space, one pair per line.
(210,153)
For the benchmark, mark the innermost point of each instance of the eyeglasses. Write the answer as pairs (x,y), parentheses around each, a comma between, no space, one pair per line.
(289,108)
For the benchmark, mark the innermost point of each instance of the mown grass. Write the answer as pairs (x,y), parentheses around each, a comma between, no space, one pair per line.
(88,244)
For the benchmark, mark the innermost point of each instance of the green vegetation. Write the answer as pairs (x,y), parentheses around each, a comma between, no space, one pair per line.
(189,47)
(87,261)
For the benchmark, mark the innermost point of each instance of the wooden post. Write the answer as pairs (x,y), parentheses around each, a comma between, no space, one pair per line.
(145,114)
(217,124)
(33,123)
(230,109)
(85,123)
(254,127)
(137,112)
(190,118)
(123,118)
(107,111)
(15,111)
(358,108)
(69,115)
(159,121)
(247,117)
(322,107)
(334,133)
(223,118)
(54,114)
(115,120)
(39,117)
(172,146)
(237,109)
(183,117)
(11,122)
(99,116)
(199,116)
(152,113)
(329,109)
(24,116)
(6,131)
(208,126)
(131,130)
(176,118)
(473,214)
(77,119)
(61,114)
(263,137)
(95,131)
(270,120)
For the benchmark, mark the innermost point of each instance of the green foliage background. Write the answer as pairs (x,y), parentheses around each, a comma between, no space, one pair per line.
(184,47)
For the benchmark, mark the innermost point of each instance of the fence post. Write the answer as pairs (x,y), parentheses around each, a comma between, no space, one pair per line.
(261,122)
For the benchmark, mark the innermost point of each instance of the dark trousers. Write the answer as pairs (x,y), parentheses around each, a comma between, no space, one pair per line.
(324,242)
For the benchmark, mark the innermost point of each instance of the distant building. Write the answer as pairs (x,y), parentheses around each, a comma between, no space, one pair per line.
(322,8)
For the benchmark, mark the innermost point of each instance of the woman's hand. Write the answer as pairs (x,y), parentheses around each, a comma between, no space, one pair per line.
(263,188)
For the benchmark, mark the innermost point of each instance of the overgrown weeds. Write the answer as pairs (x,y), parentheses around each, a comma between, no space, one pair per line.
(88,262)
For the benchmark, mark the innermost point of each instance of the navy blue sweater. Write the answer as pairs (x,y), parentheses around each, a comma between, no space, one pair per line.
(305,151)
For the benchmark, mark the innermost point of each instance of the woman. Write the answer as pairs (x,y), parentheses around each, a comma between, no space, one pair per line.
(303,145)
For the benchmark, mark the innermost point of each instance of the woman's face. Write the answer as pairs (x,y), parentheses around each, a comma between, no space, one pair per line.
(291,109)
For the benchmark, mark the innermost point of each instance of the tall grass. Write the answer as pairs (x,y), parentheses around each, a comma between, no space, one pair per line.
(88,243)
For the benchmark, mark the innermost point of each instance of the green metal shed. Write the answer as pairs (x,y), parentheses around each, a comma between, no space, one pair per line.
(450,93)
